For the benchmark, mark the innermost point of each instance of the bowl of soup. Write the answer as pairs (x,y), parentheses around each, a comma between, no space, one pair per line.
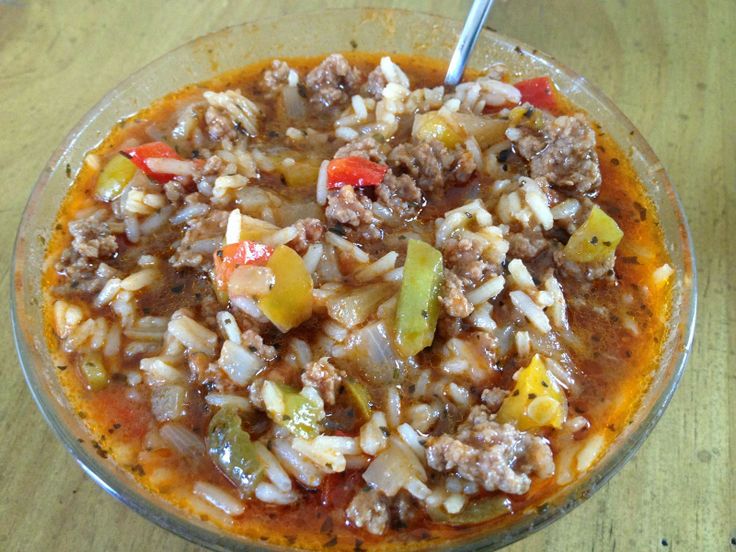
(284,292)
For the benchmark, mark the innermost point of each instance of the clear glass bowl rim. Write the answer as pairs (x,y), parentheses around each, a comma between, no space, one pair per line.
(137,498)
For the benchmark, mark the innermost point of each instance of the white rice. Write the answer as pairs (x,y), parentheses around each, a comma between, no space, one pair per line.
(393,73)
(374,434)
(395,275)
(520,276)
(176,167)
(377,268)
(238,363)
(347,246)
(234,225)
(523,345)
(219,498)
(322,183)
(281,237)
(312,257)
(346,133)
(393,407)
(158,371)
(296,464)
(107,293)
(228,326)
(266,492)
(221,400)
(193,335)
(487,290)
(530,310)
(274,471)
(565,209)
(189,212)
(139,280)
(249,307)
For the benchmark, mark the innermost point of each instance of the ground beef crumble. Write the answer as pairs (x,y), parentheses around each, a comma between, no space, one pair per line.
(309,231)
(453,297)
(375,83)
(496,456)
(324,377)
(348,208)
(366,147)
(430,164)
(465,257)
(187,251)
(92,240)
(369,510)
(401,195)
(564,153)
(332,81)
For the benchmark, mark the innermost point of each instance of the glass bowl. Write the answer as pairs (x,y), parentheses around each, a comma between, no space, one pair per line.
(375,30)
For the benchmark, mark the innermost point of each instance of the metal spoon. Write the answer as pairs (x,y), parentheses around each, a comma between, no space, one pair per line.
(467,39)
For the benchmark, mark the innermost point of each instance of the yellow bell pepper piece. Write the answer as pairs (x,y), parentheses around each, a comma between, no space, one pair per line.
(289,303)
(300,174)
(535,401)
(115,177)
(595,240)
(433,126)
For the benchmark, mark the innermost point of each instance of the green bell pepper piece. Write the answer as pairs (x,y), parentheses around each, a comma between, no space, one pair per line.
(418,307)
(232,451)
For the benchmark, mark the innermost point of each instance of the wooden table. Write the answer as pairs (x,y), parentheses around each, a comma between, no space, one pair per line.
(669,65)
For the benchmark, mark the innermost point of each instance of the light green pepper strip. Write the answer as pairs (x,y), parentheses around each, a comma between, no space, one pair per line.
(93,368)
(232,451)
(359,397)
(418,308)
(482,510)
(292,410)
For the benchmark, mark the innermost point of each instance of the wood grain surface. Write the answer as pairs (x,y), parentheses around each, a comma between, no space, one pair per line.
(670,66)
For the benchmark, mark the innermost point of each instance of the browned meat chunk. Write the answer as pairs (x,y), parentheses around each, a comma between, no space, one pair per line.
(92,240)
(310,231)
(92,236)
(563,152)
(365,147)
(255,344)
(369,510)
(332,81)
(431,163)
(465,257)
(585,271)
(453,297)
(527,244)
(496,456)
(375,83)
(401,195)
(324,377)
(276,77)
(354,210)
(493,398)
(200,241)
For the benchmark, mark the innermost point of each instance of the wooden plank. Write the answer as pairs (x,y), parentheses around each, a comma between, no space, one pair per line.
(668,65)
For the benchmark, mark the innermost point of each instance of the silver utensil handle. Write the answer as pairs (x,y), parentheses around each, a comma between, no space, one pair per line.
(467,39)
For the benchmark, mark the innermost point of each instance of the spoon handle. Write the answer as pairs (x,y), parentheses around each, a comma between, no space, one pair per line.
(466,41)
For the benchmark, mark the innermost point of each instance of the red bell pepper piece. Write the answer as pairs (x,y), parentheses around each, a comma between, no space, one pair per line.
(540,92)
(354,171)
(234,255)
(153,150)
